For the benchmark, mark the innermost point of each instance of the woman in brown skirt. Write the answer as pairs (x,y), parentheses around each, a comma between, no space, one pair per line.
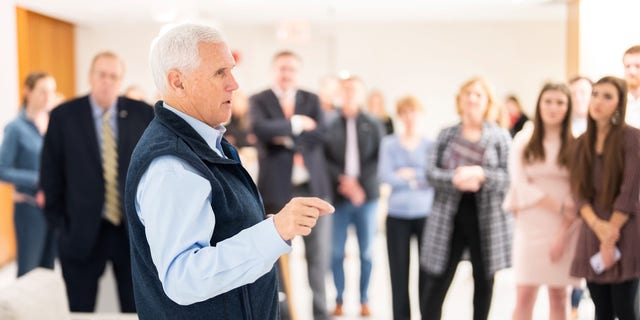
(606,184)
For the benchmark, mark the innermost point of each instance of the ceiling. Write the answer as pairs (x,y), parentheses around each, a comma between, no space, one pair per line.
(95,12)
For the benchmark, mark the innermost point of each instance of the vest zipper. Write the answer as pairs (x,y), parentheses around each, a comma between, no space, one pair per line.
(246,303)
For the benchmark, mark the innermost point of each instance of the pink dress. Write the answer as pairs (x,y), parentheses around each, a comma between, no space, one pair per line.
(536,227)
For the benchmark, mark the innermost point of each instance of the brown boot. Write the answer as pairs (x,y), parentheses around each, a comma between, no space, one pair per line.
(364,310)
(338,310)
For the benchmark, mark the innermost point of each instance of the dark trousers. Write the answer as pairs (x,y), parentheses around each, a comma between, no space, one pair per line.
(614,300)
(34,238)
(465,235)
(81,276)
(399,234)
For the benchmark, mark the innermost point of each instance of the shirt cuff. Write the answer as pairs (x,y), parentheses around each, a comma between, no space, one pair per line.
(296,125)
(268,241)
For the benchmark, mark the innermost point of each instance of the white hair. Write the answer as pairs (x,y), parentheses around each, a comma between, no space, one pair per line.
(177,48)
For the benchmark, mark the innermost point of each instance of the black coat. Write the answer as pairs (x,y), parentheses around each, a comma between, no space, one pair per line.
(71,172)
(276,160)
(370,132)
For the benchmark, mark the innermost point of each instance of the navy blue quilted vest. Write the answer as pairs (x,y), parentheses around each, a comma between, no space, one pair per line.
(237,206)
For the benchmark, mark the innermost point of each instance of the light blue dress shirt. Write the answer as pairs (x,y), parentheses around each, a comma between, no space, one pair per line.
(407,200)
(173,202)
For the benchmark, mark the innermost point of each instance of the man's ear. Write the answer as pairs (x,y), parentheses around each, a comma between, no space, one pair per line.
(176,81)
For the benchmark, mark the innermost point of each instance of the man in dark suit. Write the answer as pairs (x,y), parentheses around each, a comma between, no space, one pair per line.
(289,126)
(85,159)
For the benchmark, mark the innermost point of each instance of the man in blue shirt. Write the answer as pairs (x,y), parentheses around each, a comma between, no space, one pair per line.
(201,246)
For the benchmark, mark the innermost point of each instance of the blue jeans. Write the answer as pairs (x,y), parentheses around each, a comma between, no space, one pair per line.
(364,219)
(576,296)
(34,238)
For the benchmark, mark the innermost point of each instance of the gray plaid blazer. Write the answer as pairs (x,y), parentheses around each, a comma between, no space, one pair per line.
(496,225)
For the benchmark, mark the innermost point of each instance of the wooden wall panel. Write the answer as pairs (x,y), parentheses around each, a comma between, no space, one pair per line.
(573,38)
(46,44)
(7,232)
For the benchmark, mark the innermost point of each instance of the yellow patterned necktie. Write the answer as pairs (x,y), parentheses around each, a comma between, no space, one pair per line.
(113,212)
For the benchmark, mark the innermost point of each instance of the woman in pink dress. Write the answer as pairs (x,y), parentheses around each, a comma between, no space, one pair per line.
(540,198)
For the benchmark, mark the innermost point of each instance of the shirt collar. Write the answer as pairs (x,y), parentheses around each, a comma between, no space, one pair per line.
(98,111)
(281,94)
(212,136)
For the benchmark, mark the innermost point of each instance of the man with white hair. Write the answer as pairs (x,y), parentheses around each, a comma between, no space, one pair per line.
(200,242)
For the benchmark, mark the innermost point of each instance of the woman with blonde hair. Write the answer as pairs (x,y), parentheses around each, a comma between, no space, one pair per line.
(468,171)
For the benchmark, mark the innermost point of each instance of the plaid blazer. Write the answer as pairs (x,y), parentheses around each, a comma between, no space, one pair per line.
(496,225)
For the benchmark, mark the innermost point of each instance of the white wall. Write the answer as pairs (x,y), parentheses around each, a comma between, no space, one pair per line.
(607,30)
(9,99)
(429,60)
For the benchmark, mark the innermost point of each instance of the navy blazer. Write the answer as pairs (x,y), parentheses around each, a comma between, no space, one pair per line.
(275,160)
(71,169)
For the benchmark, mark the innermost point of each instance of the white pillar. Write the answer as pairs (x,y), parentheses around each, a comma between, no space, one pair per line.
(607,29)
(9,82)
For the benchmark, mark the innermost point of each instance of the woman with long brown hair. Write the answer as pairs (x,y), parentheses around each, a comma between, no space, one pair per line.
(540,198)
(20,164)
(606,184)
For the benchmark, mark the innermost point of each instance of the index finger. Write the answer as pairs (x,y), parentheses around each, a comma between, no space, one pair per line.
(322,206)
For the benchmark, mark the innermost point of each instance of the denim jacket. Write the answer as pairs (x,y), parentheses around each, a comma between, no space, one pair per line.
(20,154)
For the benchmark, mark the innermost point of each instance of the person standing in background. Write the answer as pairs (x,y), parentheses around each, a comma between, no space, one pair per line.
(289,127)
(20,164)
(499,115)
(328,93)
(377,107)
(580,95)
(606,183)
(403,165)
(631,62)
(85,158)
(238,129)
(135,92)
(517,118)
(540,198)
(468,171)
(352,145)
